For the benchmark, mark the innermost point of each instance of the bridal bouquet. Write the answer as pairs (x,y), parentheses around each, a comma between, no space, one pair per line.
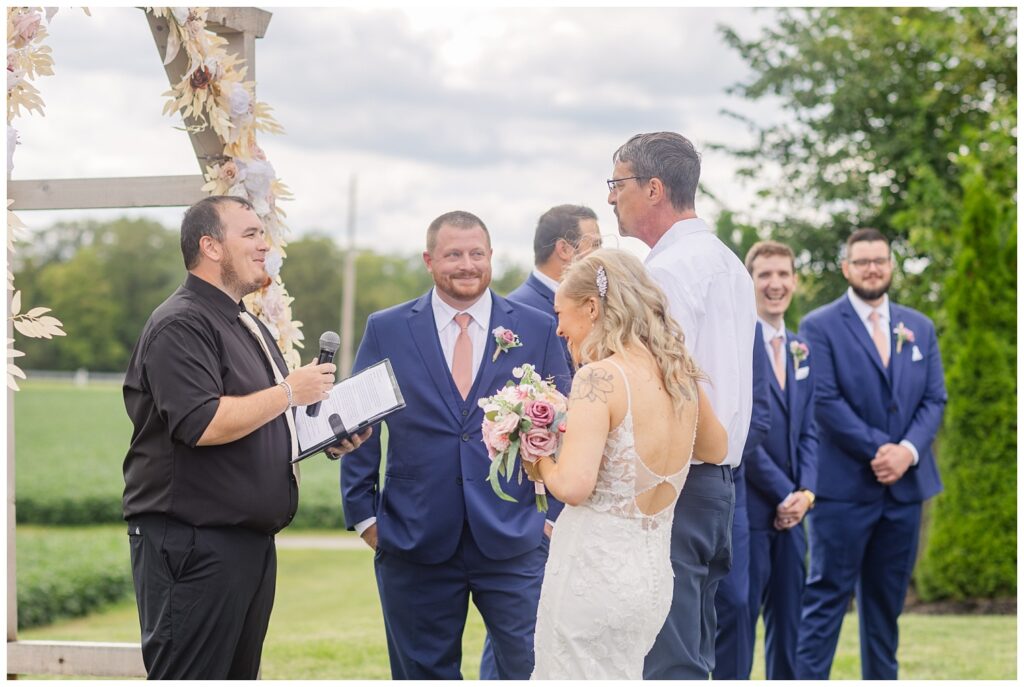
(525,420)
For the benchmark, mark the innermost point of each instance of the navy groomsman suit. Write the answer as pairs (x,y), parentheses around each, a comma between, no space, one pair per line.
(734,636)
(442,533)
(535,294)
(786,461)
(863,534)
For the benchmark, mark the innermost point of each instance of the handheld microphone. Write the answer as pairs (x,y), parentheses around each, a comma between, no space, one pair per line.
(329,344)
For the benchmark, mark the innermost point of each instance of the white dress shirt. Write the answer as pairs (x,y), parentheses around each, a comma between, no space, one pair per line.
(863,311)
(711,296)
(546,280)
(448,328)
(447,332)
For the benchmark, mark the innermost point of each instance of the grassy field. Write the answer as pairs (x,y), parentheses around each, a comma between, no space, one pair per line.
(327,625)
(69,571)
(71,442)
(327,622)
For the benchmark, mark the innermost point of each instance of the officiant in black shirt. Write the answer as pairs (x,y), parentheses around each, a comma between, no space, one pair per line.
(208,479)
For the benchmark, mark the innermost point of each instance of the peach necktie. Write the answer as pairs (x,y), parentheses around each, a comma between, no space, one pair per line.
(779,362)
(462,358)
(879,337)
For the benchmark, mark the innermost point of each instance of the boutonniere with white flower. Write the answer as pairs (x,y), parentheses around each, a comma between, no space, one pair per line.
(799,351)
(902,334)
(504,339)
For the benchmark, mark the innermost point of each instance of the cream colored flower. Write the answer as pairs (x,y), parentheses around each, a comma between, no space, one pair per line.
(273,262)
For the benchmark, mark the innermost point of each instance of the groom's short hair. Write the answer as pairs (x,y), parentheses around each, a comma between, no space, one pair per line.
(460,219)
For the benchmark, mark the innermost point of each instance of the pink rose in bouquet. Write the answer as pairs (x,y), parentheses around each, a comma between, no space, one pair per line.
(541,413)
(524,421)
(537,443)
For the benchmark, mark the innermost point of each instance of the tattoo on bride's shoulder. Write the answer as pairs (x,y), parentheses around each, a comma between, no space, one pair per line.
(592,384)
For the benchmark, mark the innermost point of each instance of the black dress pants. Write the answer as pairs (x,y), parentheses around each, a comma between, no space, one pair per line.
(204,596)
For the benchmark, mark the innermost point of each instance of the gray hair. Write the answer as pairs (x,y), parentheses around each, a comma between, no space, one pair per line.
(667,156)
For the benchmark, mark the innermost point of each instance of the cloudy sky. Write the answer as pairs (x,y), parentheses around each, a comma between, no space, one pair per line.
(502,112)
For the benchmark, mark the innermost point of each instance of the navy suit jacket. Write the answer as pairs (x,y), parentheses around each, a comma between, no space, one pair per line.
(760,412)
(787,459)
(434,482)
(535,294)
(861,405)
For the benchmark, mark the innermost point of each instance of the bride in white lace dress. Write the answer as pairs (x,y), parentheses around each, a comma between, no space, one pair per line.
(636,413)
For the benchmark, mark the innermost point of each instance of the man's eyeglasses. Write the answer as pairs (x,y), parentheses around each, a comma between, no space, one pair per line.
(588,242)
(613,184)
(862,263)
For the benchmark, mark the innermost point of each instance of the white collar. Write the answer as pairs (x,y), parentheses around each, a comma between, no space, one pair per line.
(444,313)
(546,280)
(676,232)
(863,310)
(771,332)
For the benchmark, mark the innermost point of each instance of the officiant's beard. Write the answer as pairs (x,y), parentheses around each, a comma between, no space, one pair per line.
(232,282)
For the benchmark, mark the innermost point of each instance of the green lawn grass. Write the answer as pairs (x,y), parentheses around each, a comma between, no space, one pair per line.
(70,444)
(327,625)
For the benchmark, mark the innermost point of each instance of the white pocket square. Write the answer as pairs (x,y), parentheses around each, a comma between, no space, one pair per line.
(802,372)
(916,355)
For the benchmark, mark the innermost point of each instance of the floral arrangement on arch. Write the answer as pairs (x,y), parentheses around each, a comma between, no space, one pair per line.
(27,58)
(214,93)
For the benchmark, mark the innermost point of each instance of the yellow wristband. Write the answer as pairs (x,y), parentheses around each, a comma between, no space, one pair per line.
(810,497)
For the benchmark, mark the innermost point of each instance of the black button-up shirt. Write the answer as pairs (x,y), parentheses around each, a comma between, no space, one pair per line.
(192,351)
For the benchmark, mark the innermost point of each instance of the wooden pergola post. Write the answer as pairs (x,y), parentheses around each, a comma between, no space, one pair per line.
(241,26)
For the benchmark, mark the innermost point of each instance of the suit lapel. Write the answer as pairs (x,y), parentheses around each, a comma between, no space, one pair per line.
(424,333)
(502,315)
(539,287)
(898,361)
(860,335)
(790,378)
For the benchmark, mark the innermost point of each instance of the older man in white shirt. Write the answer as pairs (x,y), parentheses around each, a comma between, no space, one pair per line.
(711,295)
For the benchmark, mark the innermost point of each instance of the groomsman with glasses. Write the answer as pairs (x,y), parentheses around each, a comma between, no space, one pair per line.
(880,397)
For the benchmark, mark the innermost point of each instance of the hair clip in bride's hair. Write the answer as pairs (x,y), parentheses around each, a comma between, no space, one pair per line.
(602,282)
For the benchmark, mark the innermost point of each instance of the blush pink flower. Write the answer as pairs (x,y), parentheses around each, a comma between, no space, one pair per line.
(541,413)
(26,25)
(538,443)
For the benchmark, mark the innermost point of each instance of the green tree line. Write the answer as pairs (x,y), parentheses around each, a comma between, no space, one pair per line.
(103,279)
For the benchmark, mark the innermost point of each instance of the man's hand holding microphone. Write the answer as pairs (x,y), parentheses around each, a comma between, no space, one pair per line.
(312,384)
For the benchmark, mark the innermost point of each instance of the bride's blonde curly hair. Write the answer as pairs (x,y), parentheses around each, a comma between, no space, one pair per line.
(632,309)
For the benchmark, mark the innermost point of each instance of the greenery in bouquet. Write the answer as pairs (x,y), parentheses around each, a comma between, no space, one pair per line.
(524,421)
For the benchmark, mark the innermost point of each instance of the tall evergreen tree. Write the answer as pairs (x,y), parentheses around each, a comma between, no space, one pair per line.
(971,549)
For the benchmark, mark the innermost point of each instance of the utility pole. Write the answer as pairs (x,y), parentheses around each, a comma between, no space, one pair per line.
(348,289)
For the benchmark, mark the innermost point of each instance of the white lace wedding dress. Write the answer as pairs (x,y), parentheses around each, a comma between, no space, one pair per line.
(608,581)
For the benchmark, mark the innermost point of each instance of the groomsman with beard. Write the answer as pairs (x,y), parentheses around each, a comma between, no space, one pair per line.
(439,533)
(782,471)
(564,233)
(880,399)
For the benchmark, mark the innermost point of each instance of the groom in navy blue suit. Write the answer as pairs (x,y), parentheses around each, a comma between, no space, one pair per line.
(880,397)
(439,532)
